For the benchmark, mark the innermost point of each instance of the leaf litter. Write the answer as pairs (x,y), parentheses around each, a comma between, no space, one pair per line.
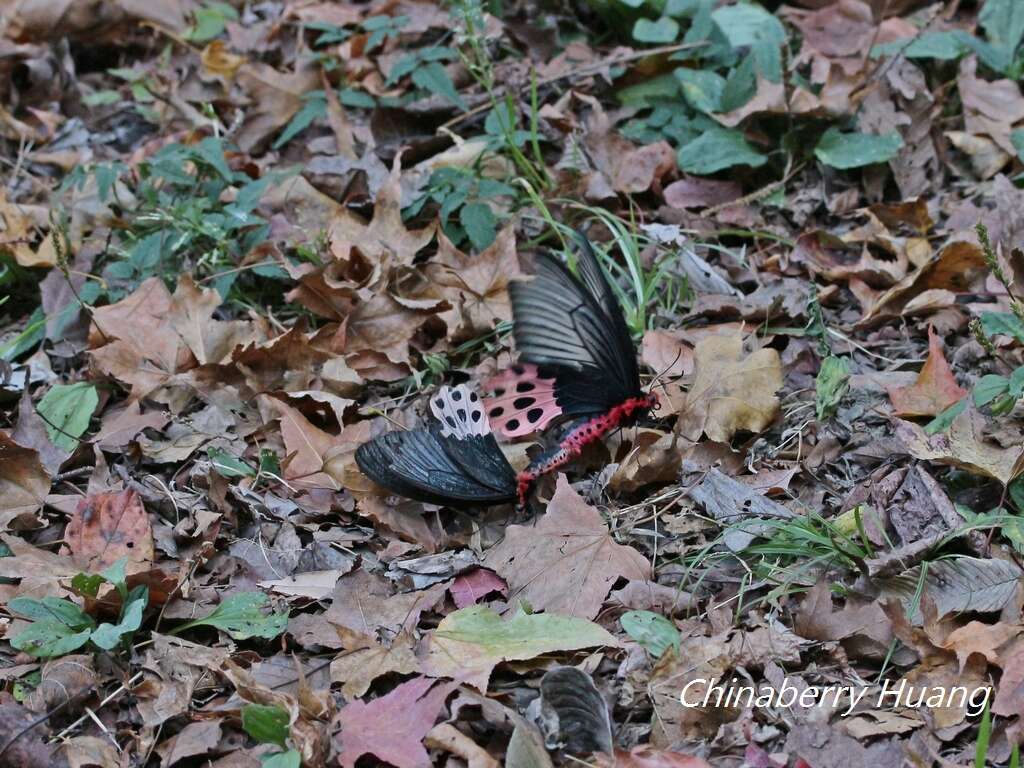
(238,240)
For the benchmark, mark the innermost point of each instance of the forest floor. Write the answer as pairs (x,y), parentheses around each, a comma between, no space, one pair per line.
(240,239)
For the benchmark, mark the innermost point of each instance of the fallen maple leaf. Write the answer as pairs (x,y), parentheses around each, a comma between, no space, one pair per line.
(566,562)
(468,643)
(392,727)
(730,391)
(476,287)
(358,669)
(384,240)
(935,389)
(107,527)
(984,639)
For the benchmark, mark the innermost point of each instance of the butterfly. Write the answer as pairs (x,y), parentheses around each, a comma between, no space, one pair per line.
(577,361)
(455,461)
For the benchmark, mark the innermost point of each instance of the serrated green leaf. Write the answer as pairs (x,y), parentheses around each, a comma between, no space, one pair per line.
(855,150)
(1002,323)
(242,617)
(831,385)
(657,32)
(654,632)
(434,78)
(480,224)
(717,149)
(66,409)
(268,724)
(989,388)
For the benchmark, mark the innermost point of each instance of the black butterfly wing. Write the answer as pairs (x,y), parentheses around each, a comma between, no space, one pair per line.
(424,465)
(574,324)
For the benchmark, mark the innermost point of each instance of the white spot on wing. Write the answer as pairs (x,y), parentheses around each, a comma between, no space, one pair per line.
(460,412)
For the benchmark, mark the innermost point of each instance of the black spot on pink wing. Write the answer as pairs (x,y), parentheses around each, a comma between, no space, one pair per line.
(525,386)
(523,402)
(533,415)
(497,411)
(512,424)
(518,370)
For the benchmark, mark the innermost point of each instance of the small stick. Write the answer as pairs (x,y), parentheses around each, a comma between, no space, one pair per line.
(121,689)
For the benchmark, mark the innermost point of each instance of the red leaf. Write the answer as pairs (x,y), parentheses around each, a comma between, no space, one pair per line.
(935,389)
(392,727)
(472,586)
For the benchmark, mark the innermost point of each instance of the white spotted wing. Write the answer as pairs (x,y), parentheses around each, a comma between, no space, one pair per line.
(460,412)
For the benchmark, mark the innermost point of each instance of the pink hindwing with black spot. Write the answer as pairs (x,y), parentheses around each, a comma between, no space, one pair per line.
(521,401)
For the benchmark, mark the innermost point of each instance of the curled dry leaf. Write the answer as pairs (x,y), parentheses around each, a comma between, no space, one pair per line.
(730,391)
(964,445)
(567,561)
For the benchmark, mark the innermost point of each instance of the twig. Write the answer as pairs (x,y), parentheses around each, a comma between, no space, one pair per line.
(121,689)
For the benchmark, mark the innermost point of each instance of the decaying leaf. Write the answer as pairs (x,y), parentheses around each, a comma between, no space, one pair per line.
(567,562)
(730,391)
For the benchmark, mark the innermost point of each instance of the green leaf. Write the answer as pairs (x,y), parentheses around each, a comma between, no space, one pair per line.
(86,584)
(989,388)
(101,98)
(480,224)
(434,78)
(748,25)
(53,609)
(945,420)
(227,465)
(855,150)
(649,92)
(1016,386)
(34,333)
(67,408)
(313,109)
(289,759)
(268,724)
(660,32)
(1002,323)
(831,386)
(476,638)
(211,150)
(49,638)
(1003,22)
(740,86)
(655,633)
(1017,137)
(943,46)
(717,149)
(242,617)
(116,573)
(701,89)
(109,636)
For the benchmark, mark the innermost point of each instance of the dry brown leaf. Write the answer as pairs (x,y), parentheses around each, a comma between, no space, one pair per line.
(954,268)
(475,286)
(449,738)
(384,240)
(16,235)
(24,483)
(307,446)
(984,639)
(730,391)
(275,98)
(218,60)
(1009,700)
(695,192)
(358,669)
(665,353)
(567,561)
(107,527)
(935,389)
(964,445)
